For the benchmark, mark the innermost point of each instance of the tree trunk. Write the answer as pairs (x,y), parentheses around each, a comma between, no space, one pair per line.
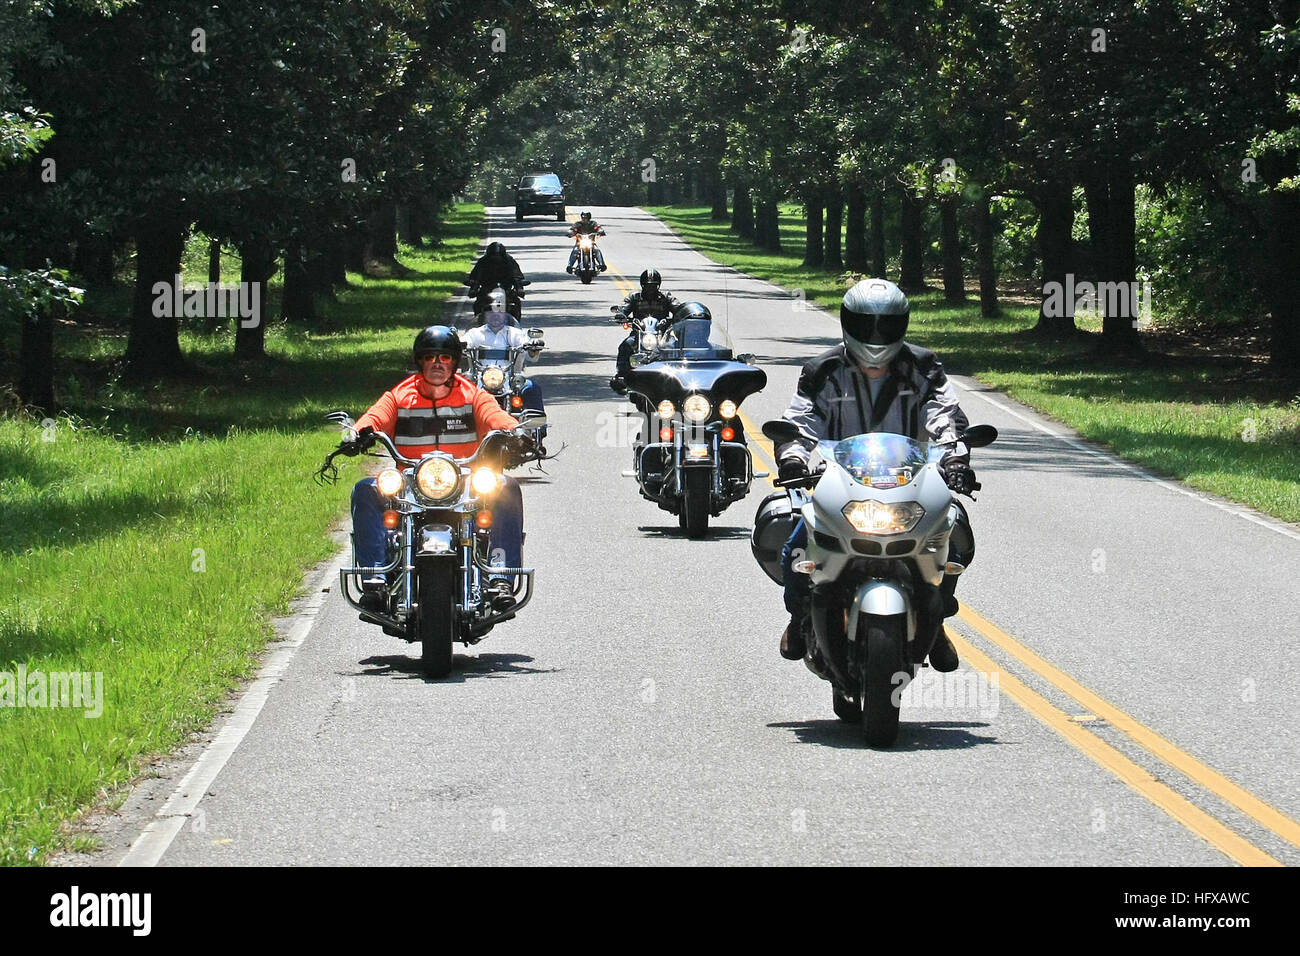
(383,236)
(36,357)
(354,249)
(298,302)
(1055,222)
(719,198)
(878,234)
(94,260)
(768,216)
(408,221)
(1112,226)
(742,220)
(1281,258)
(855,230)
(954,283)
(256,266)
(988,271)
(153,346)
(912,268)
(833,260)
(214,261)
(336,259)
(813,253)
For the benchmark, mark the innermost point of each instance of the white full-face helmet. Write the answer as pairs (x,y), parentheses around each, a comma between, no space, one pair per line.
(873,320)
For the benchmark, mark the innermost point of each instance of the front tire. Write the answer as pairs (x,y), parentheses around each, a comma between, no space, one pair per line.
(586,278)
(886,660)
(695,502)
(436,622)
(559,216)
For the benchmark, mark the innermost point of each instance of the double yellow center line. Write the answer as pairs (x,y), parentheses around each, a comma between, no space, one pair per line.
(1207,827)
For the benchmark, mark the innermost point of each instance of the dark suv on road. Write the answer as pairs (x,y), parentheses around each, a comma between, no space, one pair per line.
(539,192)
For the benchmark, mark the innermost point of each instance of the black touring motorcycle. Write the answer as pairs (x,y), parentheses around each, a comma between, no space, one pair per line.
(687,383)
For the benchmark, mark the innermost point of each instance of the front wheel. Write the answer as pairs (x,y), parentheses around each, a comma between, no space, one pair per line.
(884,674)
(559,216)
(695,502)
(586,278)
(436,622)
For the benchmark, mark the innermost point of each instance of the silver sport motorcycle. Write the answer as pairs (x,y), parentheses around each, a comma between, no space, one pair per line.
(884,529)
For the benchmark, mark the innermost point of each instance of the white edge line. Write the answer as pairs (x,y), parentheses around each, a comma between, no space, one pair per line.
(1240,512)
(149,847)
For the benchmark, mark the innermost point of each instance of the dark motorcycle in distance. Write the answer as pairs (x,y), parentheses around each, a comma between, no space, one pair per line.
(884,528)
(691,459)
(438,515)
(585,267)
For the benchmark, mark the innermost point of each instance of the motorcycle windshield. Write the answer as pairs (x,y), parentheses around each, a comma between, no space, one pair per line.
(881,458)
(674,380)
(491,355)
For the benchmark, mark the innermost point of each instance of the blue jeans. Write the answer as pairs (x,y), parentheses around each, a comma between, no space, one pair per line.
(596,256)
(370,539)
(532,396)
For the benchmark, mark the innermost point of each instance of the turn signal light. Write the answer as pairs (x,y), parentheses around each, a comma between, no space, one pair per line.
(483,519)
(665,434)
(728,434)
(516,401)
(390,519)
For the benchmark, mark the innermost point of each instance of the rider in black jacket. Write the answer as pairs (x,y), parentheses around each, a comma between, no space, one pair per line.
(496,268)
(649,301)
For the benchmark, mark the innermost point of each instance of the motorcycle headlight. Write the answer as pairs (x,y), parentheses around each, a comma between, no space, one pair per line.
(437,478)
(493,378)
(666,409)
(389,482)
(727,408)
(484,481)
(649,342)
(876,517)
(696,408)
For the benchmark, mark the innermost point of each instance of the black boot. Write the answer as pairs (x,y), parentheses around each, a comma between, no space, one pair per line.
(943,656)
(792,642)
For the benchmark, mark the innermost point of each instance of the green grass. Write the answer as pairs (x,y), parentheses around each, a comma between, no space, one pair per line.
(1216,425)
(156,535)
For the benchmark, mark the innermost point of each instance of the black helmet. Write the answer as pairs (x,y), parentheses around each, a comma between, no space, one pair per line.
(692,310)
(495,251)
(650,279)
(438,339)
(586,217)
(873,319)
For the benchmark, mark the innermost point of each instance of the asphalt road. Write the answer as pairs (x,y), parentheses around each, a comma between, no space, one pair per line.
(1142,640)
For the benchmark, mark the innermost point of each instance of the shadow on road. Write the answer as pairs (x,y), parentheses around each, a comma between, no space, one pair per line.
(715,533)
(912,735)
(464,666)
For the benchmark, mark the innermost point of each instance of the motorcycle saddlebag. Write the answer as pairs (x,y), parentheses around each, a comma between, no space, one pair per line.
(773,525)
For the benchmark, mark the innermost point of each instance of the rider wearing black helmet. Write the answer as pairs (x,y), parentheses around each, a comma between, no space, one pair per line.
(651,300)
(496,268)
(873,381)
(437,410)
(586,226)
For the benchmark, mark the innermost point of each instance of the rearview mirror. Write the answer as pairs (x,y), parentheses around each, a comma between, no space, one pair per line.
(780,430)
(531,419)
(534,333)
(978,436)
(749,358)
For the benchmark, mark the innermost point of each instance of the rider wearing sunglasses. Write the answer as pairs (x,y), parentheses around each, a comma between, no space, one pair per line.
(872,382)
(437,410)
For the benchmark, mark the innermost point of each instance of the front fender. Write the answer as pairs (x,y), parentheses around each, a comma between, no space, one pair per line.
(881,599)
